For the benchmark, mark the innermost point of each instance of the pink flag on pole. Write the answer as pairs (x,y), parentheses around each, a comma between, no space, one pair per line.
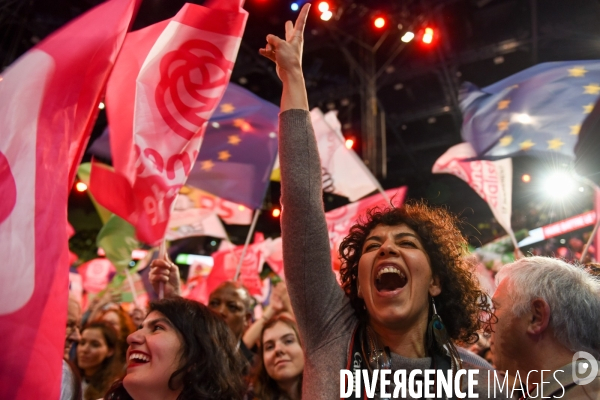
(340,220)
(166,84)
(492,180)
(226,264)
(48,102)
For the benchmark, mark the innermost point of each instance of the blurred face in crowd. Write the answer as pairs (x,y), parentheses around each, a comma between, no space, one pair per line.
(137,316)
(282,353)
(508,341)
(113,319)
(92,351)
(395,278)
(154,354)
(231,303)
(73,334)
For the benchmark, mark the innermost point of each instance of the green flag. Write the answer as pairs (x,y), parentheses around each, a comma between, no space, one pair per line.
(83,172)
(117,239)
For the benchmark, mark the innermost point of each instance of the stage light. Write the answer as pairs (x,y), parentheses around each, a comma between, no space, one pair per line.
(559,185)
(428,35)
(407,37)
(323,6)
(326,16)
(101,105)
(276,212)
(379,22)
(349,143)
(80,187)
(526,178)
(294,6)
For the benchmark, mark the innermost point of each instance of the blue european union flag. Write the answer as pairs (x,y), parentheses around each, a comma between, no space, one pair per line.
(239,149)
(536,111)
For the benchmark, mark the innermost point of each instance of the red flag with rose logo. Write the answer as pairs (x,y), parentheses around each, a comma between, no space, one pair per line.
(340,220)
(48,103)
(165,86)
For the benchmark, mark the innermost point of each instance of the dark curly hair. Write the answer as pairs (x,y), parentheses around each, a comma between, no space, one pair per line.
(211,366)
(462,305)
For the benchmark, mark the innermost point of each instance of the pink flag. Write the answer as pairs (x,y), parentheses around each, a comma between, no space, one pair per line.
(492,180)
(48,102)
(167,82)
(340,220)
(226,262)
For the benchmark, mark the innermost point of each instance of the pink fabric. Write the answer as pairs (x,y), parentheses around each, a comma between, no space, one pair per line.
(49,100)
(165,86)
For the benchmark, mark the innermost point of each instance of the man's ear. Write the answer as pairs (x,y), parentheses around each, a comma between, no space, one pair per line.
(435,288)
(247,320)
(539,317)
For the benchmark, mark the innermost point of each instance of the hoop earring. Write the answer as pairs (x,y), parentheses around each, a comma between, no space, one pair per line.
(437,331)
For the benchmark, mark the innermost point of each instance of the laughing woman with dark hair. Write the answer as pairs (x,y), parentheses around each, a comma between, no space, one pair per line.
(407,290)
(183,351)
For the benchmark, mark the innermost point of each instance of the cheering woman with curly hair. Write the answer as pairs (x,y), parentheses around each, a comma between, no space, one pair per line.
(407,291)
(182,351)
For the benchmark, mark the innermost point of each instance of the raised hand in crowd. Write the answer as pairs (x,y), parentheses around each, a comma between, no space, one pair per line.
(279,302)
(165,271)
(287,55)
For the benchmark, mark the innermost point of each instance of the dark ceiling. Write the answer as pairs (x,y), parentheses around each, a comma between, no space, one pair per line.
(480,41)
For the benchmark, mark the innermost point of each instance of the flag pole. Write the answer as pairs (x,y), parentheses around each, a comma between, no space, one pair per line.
(250,232)
(511,234)
(590,240)
(132,286)
(595,230)
(162,251)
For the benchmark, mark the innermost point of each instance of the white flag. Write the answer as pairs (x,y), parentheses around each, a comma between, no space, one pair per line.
(344,173)
(189,220)
(492,180)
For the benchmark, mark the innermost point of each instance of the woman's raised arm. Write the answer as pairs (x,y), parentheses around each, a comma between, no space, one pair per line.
(321,308)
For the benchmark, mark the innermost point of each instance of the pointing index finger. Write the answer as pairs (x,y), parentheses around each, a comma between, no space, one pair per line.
(301,20)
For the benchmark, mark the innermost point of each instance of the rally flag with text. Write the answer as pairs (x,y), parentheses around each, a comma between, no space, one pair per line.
(344,173)
(166,84)
(48,103)
(225,266)
(492,180)
(538,111)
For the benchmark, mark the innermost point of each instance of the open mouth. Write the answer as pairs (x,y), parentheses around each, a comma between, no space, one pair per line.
(389,279)
(139,358)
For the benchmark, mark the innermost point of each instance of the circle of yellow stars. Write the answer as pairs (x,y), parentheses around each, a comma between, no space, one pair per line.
(556,143)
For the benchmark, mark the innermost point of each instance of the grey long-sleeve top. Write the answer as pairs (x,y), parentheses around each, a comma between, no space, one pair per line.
(325,318)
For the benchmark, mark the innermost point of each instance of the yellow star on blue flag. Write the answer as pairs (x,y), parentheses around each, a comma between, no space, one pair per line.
(238,149)
(548,104)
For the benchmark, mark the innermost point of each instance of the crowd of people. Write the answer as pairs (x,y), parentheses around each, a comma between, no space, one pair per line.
(407,299)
